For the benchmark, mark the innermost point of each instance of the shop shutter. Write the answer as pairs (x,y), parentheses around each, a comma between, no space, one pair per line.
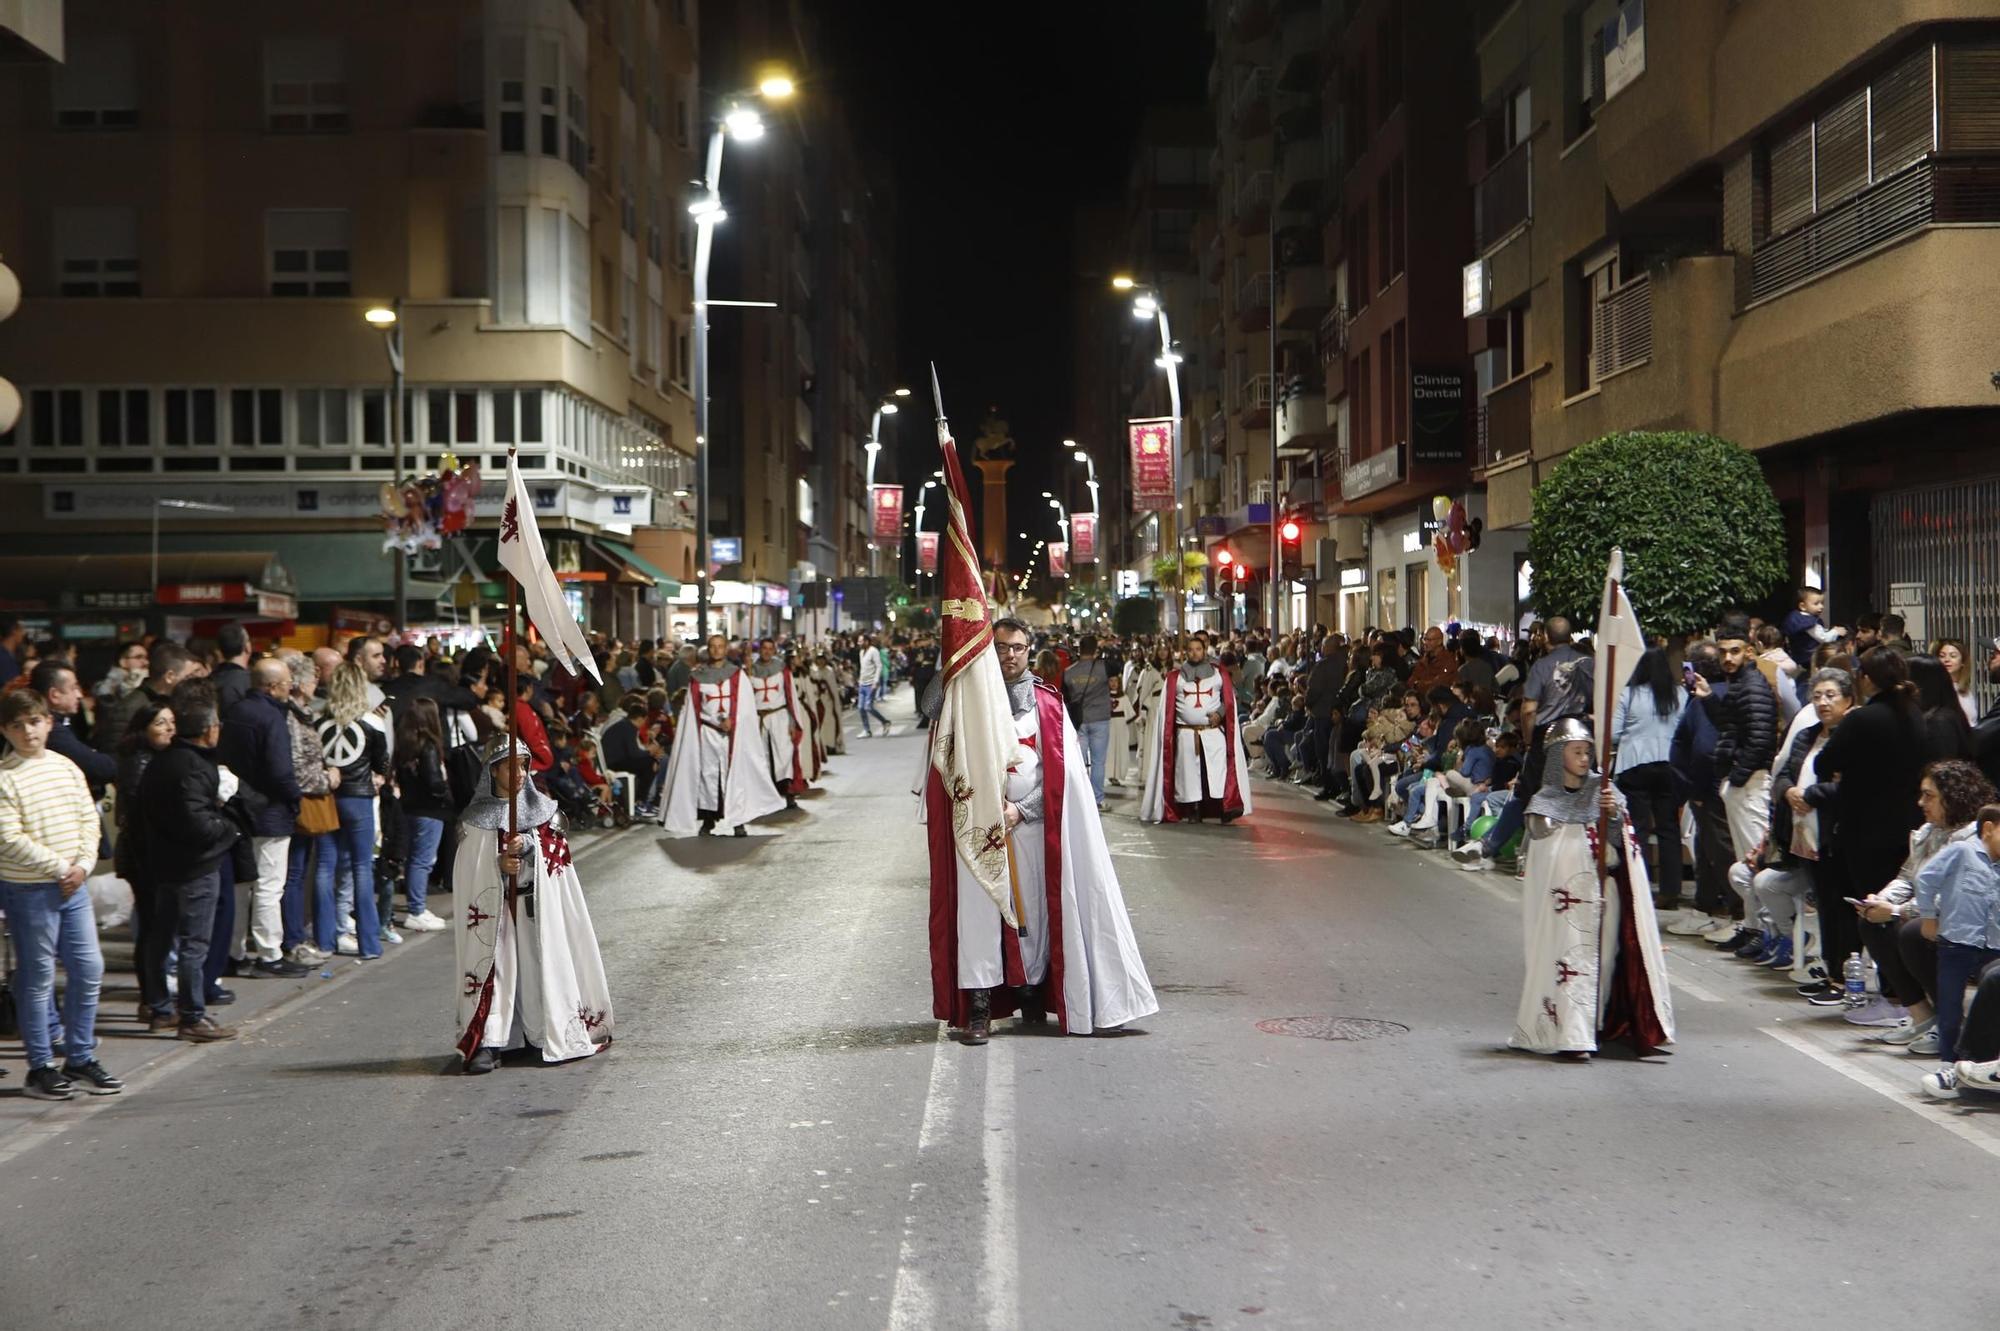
(1840,150)
(1901,113)
(1791,179)
(1971,98)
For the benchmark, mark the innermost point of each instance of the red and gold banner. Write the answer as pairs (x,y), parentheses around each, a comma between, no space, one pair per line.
(1058,559)
(1152,442)
(927,552)
(886,501)
(1083,537)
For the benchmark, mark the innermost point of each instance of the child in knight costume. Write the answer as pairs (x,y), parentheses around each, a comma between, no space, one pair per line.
(1595,969)
(529,970)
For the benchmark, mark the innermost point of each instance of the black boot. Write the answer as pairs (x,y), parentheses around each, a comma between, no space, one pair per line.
(1033,1011)
(707,826)
(741,830)
(481,1061)
(980,1027)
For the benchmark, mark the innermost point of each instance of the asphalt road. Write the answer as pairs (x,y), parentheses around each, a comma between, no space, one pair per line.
(779,1138)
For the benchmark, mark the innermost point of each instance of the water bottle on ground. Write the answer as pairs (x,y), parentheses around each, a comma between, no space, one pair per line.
(1855,981)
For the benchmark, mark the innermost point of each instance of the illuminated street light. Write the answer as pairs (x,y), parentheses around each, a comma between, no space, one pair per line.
(1122,283)
(380,315)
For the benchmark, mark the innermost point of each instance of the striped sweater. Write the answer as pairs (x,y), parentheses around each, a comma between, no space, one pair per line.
(47,818)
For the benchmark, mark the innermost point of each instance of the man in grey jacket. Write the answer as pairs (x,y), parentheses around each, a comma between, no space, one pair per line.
(1086,687)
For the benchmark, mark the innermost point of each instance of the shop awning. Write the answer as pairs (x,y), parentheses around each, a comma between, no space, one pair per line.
(134,572)
(637,565)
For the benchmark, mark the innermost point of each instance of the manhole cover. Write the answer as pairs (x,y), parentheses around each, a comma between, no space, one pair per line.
(1331,1028)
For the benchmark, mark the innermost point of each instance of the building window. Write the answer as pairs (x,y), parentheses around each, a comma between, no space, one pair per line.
(96,86)
(513,99)
(579,123)
(1591,280)
(322,417)
(124,417)
(517,416)
(96,251)
(256,416)
(682,375)
(452,415)
(308,251)
(548,61)
(56,417)
(191,417)
(576,272)
(305,85)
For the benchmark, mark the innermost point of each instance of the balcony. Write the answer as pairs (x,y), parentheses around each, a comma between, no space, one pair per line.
(1302,421)
(1253,304)
(1505,420)
(1250,108)
(1301,174)
(1937,191)
(1216,436)
(1303,296)
(1333,336)
(1621,328)
(1299,47)
(1253,202)
(1253,402)
(1503,199)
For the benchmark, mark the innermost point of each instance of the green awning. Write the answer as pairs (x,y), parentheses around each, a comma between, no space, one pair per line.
(668,586)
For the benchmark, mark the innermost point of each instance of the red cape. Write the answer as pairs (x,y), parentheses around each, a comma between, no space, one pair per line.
(949,1003)
(1232,798)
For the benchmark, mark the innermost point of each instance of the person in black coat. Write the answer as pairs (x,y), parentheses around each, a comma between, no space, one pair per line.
(257,746)
(56,682)
(1986,735)
(186,837)
(1867,790)
(155,912)
(231,679)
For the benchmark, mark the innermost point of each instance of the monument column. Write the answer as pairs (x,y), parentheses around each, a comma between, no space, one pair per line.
(993,516)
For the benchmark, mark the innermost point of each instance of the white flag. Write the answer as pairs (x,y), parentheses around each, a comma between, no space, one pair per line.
(522,555)
(1617,627)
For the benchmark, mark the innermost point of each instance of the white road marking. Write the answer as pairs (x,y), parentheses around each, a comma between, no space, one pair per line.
(912,1307)
(998,1285)
(1958,1125)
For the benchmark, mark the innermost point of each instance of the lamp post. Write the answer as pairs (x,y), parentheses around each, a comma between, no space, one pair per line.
(886,407)
(1147,305)
(740,121)
(917,532)
(195,505)
(389,318)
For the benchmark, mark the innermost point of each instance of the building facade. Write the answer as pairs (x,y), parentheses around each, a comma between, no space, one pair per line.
(211,196)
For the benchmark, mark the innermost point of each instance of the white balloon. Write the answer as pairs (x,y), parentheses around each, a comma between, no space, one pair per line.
(10,292)
(10,406)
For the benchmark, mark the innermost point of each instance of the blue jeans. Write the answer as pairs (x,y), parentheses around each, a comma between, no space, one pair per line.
(1096,737)
(1278,751)
(1957,964)
(47,926)
(355,844)
(318,853)
(426,834)
(867,707)
(197,903)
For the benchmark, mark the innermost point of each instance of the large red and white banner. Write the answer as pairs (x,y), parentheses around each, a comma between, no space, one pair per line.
(1152,442)
(886,501)
(1058,559)
(1083,537)
(927,552)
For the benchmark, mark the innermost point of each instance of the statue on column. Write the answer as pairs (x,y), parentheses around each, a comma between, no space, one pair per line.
(994,454)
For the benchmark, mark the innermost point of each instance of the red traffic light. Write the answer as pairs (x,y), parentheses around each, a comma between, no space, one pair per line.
(1223,557)
(1290,531)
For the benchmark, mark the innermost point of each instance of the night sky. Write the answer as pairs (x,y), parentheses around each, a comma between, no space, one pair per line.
(999,123)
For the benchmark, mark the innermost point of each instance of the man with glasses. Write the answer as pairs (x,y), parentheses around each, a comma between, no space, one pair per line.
(124,678)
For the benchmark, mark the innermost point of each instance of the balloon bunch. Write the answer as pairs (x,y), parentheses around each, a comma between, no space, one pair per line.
(1456,534)
(424,510)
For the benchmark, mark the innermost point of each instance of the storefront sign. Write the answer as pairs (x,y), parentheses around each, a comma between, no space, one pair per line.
(927,552)
(1907,599)
(1476,283)
(1354,576)
(277,605)
(1152,444)
(203,593)
(725,549)
(1127,582)
(1083,535)
(777,595)
(1375,472)
(886,502)
(1437,414)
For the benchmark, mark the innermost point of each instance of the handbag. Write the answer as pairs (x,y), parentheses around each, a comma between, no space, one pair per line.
(318,815)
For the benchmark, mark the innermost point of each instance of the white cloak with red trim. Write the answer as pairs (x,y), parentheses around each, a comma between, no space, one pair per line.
(718,769)
(539,964)
(1185,765)
(790,759)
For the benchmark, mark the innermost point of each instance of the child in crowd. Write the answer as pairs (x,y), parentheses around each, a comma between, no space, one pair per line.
(1958,900)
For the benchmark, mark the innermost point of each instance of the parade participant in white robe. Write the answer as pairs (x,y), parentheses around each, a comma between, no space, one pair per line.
(1118,750)
(529,970)
(781,724)
(1073,952)
(1594,966)
(1195,764)
(833,728)
(1148,682)
(807,690)
(717,773)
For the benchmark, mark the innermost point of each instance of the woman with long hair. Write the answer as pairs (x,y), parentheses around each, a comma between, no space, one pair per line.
(309,852)
(360,750)
(425,796)
(1643,722)
(1947,734)
(1866,796)
(1957,662)
(156,912)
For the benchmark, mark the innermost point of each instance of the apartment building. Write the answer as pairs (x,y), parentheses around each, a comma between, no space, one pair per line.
(208,199)
(1771,221)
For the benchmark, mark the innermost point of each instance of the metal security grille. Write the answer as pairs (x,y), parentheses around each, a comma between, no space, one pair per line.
(1946,537)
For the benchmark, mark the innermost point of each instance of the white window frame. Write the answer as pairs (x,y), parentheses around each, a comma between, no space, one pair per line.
(305,85)
(320,413)
(96,252)
(123,395)
(318,235)
(189,415)
(97,85)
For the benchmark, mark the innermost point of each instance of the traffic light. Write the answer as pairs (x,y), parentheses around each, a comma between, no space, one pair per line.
(1291,553)
(1290,531)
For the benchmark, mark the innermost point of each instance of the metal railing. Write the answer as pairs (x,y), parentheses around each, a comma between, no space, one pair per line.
(1622,327)
(1333,335)
(1253,92)
(1253,194)
(1506,422)
(1217,434)
(1933,191)
(1254,294)
(1255,393)
(1504,197)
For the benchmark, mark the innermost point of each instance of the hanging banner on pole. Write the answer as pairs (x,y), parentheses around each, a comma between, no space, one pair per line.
(1083,537)
(1058,559)
(887,503)
(1152,443)
(927,552)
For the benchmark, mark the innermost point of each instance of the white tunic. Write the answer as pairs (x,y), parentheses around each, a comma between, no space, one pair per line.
(980,964)
(712,707)
(769,693)
(1198,702)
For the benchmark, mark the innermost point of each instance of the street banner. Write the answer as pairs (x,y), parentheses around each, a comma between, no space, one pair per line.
(1058,559)
(1083,537)
(887,504)
(1152,441)
(927,552)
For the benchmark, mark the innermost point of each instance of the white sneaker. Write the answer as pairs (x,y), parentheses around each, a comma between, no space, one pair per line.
(1692,923)
(1399,829)
(1477,864)
(347,945)
(1472,850)
(389,935)
(1723,929)
(424,923)
(1940,1085)
(305,954)
(1980,1076)
(1925,1045)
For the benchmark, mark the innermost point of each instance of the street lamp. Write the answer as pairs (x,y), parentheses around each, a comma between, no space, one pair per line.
(194,505)
(885,407)
(741,121)
(1146,305)
(389,318)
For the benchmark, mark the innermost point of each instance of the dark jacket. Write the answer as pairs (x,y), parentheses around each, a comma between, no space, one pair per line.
(114,717)
(232,685)
(99,769)
(622,750)
(256,744)
(1986,744)
(1692,754)
(1779,840)
(183,828)
(1945,734)
(366,750)
(421,786)
(1869,773)
(1322,687)
(403,688)
(1746,726)
(128,854)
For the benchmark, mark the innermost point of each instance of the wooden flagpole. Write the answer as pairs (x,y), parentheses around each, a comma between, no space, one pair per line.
(512,640)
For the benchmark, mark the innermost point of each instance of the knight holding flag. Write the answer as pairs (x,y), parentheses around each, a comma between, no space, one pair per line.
(1025,909)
